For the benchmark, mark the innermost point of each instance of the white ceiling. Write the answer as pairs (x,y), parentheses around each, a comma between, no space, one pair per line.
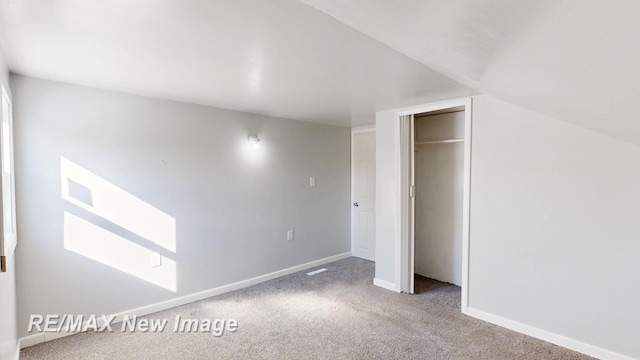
(278,57)
(577,60)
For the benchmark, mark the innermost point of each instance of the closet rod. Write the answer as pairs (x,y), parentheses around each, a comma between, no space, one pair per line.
(443,141)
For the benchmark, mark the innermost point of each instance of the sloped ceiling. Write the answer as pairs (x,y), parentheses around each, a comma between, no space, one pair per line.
(577,61)
(340,61)
(278,57)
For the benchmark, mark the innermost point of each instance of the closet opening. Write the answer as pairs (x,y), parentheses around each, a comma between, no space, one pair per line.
(434,193)
(438,163)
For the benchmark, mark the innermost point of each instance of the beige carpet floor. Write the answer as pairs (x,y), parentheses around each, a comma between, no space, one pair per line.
(337,314)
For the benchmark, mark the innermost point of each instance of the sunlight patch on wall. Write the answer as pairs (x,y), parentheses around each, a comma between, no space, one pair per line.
(103,246)
(98,196)
(90,192)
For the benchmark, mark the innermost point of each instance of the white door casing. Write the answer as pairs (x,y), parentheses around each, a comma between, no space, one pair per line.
(406,201)
(363,174)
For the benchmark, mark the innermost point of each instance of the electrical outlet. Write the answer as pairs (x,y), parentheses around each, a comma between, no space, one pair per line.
(290,235)
(312,181)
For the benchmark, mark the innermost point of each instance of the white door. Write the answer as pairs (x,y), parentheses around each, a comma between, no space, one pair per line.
(363,172)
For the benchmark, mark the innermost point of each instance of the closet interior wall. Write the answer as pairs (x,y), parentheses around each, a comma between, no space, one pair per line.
(439,184)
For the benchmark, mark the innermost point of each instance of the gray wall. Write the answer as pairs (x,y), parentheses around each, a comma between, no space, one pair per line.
(232,205)
(554,226)
(8,327)
(387,208)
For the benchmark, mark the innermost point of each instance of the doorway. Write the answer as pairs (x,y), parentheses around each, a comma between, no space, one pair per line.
(363,185)
(435,164)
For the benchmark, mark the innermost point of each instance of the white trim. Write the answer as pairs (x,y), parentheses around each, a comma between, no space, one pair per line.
(13,243)
(434,106)
(466,202)
(9,240)
(398,220)
(386,285)
(354,131)
(553,338)
(363,129)
(5,93)
(16,356)
(38,338)
(30,340)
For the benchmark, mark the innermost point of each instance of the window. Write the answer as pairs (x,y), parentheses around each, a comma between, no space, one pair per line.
(8,239)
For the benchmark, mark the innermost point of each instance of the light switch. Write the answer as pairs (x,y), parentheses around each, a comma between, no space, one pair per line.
(290,235)
(312,181)
(156,260)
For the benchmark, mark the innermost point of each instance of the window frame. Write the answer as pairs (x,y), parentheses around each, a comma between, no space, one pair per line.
(8,239)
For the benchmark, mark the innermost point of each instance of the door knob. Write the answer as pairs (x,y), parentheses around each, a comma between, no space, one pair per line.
(356,204)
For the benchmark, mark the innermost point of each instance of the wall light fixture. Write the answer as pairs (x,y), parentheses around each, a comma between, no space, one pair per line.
(254,140)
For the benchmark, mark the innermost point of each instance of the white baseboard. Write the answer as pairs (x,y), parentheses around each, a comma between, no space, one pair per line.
(31,340)
(385,284)
(38,338)
(547,336)
(17,355)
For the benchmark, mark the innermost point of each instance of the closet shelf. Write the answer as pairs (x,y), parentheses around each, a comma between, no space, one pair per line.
(439,141)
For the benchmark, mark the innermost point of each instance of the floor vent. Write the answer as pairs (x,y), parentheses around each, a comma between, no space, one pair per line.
(316,271)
